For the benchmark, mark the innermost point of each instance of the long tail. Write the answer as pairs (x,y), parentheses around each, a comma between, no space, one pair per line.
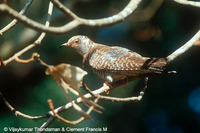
(161,70)
(157,65)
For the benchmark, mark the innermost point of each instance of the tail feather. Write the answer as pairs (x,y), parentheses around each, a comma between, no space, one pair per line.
(172,71)
(157,65)
(161,70)
(154,63)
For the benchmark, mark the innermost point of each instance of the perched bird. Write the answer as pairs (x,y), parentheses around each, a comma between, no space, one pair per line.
(115,63)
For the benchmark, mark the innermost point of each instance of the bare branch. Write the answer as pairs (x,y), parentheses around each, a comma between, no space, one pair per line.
(69,105)
(18,113)
(18,54)
(95,93)
(33,57)
(73,24)
(41,37)
(37,26)
(38,41)
(186,2)
(104,21)
(67,121)
(46,124)
(78,100)
(88,95)
(184,48)
(14,22)
(126,99)
(128,10)
(64,9)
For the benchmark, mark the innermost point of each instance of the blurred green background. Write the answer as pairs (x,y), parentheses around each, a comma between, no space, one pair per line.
(171,103)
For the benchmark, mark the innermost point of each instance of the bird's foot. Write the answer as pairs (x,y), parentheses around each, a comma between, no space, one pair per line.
(107,87)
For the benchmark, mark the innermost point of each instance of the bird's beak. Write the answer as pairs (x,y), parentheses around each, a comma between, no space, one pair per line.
(64,45)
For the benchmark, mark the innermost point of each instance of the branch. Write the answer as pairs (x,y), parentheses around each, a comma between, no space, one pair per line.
(71,122)
(184,48)
(104,21)
(15,56)
(95,93)
(14,22)
(191,3)
(126,99)
(68,106)
(50,11)
(64,9)
(77,101)
(38,41)
(77,21)
(18,113)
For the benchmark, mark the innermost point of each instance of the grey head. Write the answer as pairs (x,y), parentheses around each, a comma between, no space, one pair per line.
(81,44)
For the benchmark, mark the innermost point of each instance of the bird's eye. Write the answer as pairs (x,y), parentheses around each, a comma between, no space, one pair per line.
(77,41)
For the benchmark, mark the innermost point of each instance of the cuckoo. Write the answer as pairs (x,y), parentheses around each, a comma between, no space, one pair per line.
(114,63)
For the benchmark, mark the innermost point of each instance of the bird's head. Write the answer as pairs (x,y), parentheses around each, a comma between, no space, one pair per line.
(81,44)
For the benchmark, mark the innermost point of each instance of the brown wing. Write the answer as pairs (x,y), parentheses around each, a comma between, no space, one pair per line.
(121,59)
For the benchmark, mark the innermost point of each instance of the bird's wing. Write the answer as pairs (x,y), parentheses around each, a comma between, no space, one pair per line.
(122,59)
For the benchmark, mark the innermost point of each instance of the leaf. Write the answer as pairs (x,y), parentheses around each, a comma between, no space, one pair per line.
(71,75)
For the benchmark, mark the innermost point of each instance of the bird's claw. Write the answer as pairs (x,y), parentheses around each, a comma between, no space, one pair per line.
(106,87)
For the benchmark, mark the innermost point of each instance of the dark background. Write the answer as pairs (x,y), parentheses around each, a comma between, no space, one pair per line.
(171,103)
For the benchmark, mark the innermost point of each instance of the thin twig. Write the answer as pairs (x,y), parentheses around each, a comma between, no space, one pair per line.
(127,11)
(86,88)
(18,54)
(14,22)
(184,48)
(41,62)
(18,113)
(50,10)
(77,101)
(23,61)
(33,57)
(64,9)
(88,95)
(68,121)
(38,41)
(126,99)
(68,106)
(186,2)
(48,122)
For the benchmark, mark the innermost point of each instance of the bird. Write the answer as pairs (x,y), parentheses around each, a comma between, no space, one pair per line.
(114,63)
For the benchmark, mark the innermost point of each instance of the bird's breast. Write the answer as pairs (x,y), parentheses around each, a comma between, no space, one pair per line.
(108,75)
